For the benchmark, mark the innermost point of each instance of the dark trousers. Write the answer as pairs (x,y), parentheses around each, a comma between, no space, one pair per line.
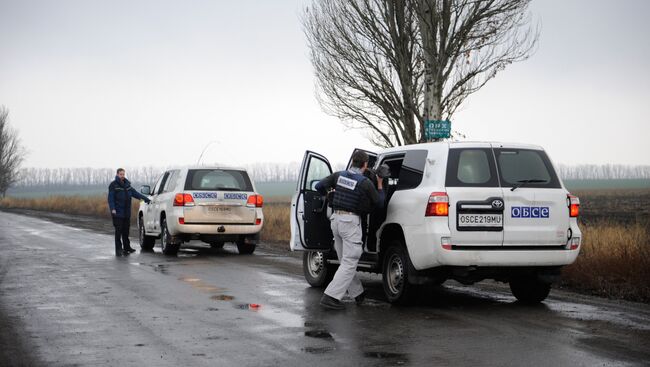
(121,234)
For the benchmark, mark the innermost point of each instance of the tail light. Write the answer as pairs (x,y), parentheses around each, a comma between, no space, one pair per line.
(258,221)
(445,243)
(574,205)
(255,201)
(183,200)
(573,243)
(438,205)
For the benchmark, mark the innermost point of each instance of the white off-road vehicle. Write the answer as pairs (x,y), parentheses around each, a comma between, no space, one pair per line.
(211,204)
(466,211)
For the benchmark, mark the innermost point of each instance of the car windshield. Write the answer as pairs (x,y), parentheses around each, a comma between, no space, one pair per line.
(218,179)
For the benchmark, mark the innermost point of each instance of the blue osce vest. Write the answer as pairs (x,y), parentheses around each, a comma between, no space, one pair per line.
(347,193)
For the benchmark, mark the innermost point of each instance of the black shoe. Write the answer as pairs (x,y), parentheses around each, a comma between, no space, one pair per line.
(129,250)
(331,303)
(360,298)
(126,253)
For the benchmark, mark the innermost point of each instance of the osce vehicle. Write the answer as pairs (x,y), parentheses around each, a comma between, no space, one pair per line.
(214,205)
(466,211)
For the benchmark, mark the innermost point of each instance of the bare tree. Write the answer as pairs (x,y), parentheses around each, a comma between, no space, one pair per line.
(389,65)
(12,153)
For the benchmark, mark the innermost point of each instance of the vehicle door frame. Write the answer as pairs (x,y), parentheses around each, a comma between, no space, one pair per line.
(314,232)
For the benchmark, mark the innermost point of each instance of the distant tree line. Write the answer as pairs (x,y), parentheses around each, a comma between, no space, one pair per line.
(603,172)
(275,172)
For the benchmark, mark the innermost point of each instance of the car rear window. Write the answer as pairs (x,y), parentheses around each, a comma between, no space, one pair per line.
(517,166)
(217,179)
(471,167)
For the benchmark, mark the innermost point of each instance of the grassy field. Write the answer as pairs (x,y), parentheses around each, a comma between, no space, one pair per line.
(614,260)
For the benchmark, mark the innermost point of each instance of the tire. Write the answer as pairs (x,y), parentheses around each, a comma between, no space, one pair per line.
(168,248)
(245,248)
(317,272)
(529,290)
(216,245)
(395,275)
(146,242)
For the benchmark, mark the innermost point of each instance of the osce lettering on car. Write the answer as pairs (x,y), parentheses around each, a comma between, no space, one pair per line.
(466,211)
(205,195)
(530,212)
(197,203)
(235,196)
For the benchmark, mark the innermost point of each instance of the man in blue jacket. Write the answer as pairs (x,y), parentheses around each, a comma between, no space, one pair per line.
(119,202)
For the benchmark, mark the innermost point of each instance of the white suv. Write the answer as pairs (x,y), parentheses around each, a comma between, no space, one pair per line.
(211,204)
(454,210)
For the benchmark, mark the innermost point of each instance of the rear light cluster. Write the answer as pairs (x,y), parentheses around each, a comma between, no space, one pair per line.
(255,201)
(574,205)
(183,200)
(573,243)
(438,205)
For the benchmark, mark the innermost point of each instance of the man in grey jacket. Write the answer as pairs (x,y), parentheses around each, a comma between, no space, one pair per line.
(354,196)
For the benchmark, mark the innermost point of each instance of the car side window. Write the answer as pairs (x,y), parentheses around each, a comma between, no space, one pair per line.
(159,189)
(171,181)
(318,169)
(410,174)
(471,167)
(157,185)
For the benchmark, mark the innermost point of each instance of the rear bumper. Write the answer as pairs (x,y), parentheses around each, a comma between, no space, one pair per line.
(425,250)
(217,229)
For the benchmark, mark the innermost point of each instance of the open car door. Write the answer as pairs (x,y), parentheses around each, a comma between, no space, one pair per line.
(310,225)
(372,158)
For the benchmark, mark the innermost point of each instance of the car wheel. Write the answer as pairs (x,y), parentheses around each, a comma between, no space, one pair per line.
(216,244)
(146,242)
(168,248)
(245,248)
(529,290)
(316,270)
(395,275)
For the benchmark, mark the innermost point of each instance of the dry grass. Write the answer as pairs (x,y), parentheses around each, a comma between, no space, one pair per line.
(96,206)
(614,261)
(276,222)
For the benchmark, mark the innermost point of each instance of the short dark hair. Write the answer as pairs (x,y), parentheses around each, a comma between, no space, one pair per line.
(359,157)
(119,170)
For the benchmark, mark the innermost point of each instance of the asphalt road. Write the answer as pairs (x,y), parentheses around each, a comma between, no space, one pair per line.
(65,300)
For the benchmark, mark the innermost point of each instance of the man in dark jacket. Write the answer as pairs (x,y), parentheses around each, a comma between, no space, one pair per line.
(354,196)
(119,202)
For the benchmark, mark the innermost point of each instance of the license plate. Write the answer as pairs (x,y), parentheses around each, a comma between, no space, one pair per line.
(219,209)
(480,220)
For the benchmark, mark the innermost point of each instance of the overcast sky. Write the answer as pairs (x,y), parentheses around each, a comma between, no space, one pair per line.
(131,83)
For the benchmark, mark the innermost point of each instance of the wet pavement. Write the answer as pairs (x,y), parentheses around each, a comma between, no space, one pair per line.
(65,300)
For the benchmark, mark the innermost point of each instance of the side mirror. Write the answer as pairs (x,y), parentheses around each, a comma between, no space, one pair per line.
(145,190)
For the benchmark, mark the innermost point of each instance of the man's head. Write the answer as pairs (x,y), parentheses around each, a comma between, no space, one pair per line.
(120,173)
(360,159)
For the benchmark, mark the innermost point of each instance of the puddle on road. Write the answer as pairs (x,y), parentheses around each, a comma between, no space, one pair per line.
(320,334)
(249,306)
(398,359)
(222,297)
(318,350)
(212,309)
(189,279)
(139,345)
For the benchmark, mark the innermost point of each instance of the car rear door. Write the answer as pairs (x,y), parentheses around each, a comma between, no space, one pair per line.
(220,196)
(310,225)
(536,212)
(475,197)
